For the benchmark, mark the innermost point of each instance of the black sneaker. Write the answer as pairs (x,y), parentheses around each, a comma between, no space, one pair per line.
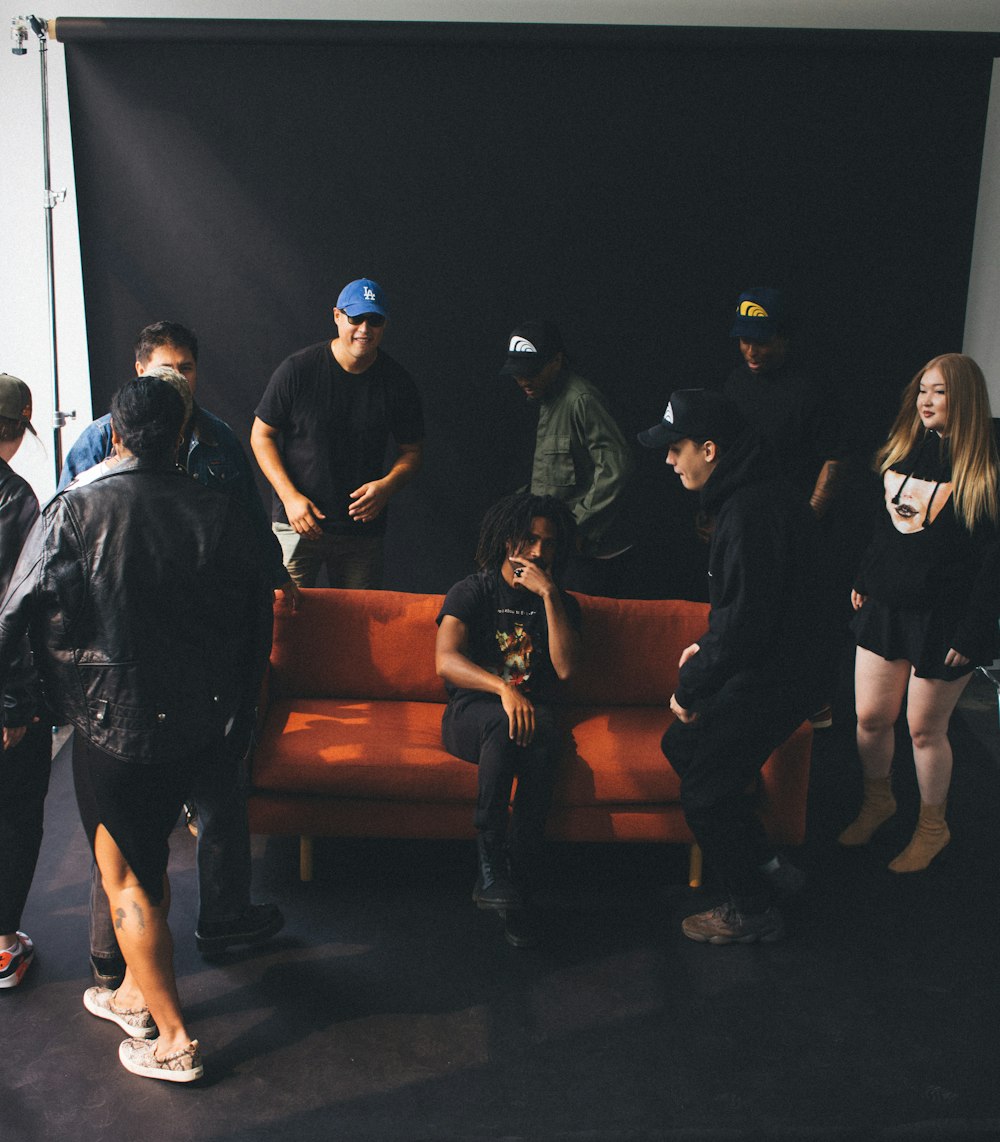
(498,894)
(258,923)
(786,880)
(725,924)
(520,928)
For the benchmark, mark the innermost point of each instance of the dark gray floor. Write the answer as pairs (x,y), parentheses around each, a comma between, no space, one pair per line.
(391,1009)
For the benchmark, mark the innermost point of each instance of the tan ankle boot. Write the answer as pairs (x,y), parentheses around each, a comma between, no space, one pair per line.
(928,840)
(876,808)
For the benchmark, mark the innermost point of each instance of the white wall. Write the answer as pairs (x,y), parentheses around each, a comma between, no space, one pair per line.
(24,324)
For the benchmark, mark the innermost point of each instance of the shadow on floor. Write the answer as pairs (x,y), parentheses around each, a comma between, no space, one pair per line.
(389,1008)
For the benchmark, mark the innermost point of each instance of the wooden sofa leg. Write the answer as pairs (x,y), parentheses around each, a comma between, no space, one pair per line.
(305,858)
(694,867)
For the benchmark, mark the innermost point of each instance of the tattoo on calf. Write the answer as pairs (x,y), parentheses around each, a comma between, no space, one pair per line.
(119,917)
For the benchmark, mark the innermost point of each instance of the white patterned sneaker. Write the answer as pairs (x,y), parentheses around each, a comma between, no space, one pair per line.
(138,1023)
(139,1057)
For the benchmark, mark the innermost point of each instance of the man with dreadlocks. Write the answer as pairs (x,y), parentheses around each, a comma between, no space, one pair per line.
(507,636)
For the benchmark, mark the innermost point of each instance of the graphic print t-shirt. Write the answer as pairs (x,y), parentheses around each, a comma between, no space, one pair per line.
(508,631)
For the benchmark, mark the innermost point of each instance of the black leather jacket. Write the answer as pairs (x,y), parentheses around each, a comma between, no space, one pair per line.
(18,512)
(148,603)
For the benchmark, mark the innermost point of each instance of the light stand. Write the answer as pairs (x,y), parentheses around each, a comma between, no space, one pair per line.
(19,31)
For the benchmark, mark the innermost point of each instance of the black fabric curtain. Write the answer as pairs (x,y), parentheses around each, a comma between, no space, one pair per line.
(626,182)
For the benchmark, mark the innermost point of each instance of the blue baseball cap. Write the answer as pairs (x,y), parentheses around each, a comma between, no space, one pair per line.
(362,296)
(761,315)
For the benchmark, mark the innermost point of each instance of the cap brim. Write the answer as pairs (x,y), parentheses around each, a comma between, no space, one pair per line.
(523,365)
(355,310)
(659,436)
(754,329)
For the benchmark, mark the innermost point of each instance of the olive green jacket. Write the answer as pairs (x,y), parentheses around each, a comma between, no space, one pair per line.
(581,458)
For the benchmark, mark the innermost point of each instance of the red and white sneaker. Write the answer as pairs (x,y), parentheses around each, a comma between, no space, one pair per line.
(13,965)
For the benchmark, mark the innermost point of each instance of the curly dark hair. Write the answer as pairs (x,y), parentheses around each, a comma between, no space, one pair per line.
(165,333)
(148,414)
(508,522)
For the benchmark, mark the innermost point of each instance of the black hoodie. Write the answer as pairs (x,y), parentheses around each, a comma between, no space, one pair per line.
(770,621)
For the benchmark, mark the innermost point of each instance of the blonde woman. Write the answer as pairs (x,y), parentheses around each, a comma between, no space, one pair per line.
(927,596)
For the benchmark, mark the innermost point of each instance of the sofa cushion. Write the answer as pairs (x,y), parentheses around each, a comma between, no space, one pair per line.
(632,647)
(615,757)
(357,644)
(392,750)
(360,749)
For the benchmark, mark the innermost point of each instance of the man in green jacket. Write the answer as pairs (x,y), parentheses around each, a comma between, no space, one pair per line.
(581,456)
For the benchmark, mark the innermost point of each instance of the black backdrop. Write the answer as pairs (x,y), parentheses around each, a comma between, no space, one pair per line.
(626,182)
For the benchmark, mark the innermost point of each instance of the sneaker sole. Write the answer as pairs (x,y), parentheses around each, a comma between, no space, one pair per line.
(212,945)
(719,941)
(17,975)
(104,1013)
(189,1076)
(496,905)
(521,941)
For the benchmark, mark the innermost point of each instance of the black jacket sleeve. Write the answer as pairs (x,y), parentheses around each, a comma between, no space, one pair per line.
(751,553)
(18,512)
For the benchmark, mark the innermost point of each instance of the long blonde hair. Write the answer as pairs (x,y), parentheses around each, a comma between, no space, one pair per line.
(975,467)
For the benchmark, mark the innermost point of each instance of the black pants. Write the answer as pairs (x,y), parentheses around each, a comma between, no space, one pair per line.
(476,729)
(25,782)
(718,759)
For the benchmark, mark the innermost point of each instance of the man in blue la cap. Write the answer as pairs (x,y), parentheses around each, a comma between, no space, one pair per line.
(320,434)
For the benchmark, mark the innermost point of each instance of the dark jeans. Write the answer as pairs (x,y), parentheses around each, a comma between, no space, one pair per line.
(476,729)
(25,772)
(718,759)
(220,792)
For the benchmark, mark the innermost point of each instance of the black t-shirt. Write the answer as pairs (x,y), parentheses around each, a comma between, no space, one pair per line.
(508,631)
(335,428)
(795,413)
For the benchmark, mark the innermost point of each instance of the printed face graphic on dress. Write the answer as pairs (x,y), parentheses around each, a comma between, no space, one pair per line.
(914,504)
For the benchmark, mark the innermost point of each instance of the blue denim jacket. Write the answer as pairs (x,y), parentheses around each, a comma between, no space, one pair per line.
(215,458)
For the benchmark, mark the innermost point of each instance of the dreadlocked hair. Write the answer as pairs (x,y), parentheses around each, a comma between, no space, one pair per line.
(975,467)
(508,523)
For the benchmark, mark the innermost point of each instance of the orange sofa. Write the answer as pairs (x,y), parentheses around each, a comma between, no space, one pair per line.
(350,730)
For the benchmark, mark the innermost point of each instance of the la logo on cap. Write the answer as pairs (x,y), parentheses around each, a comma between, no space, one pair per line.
(521,345)
(369,293)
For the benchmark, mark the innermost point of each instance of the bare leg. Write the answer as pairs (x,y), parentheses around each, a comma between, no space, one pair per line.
(146,944)
(929,709)
(879,686)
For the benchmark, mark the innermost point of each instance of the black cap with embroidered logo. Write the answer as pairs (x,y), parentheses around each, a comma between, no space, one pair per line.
(15,401)
(695,414)
(761,315)
(531,347)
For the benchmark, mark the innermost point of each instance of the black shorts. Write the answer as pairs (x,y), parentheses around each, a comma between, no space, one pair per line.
(138,805)
(919,637)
